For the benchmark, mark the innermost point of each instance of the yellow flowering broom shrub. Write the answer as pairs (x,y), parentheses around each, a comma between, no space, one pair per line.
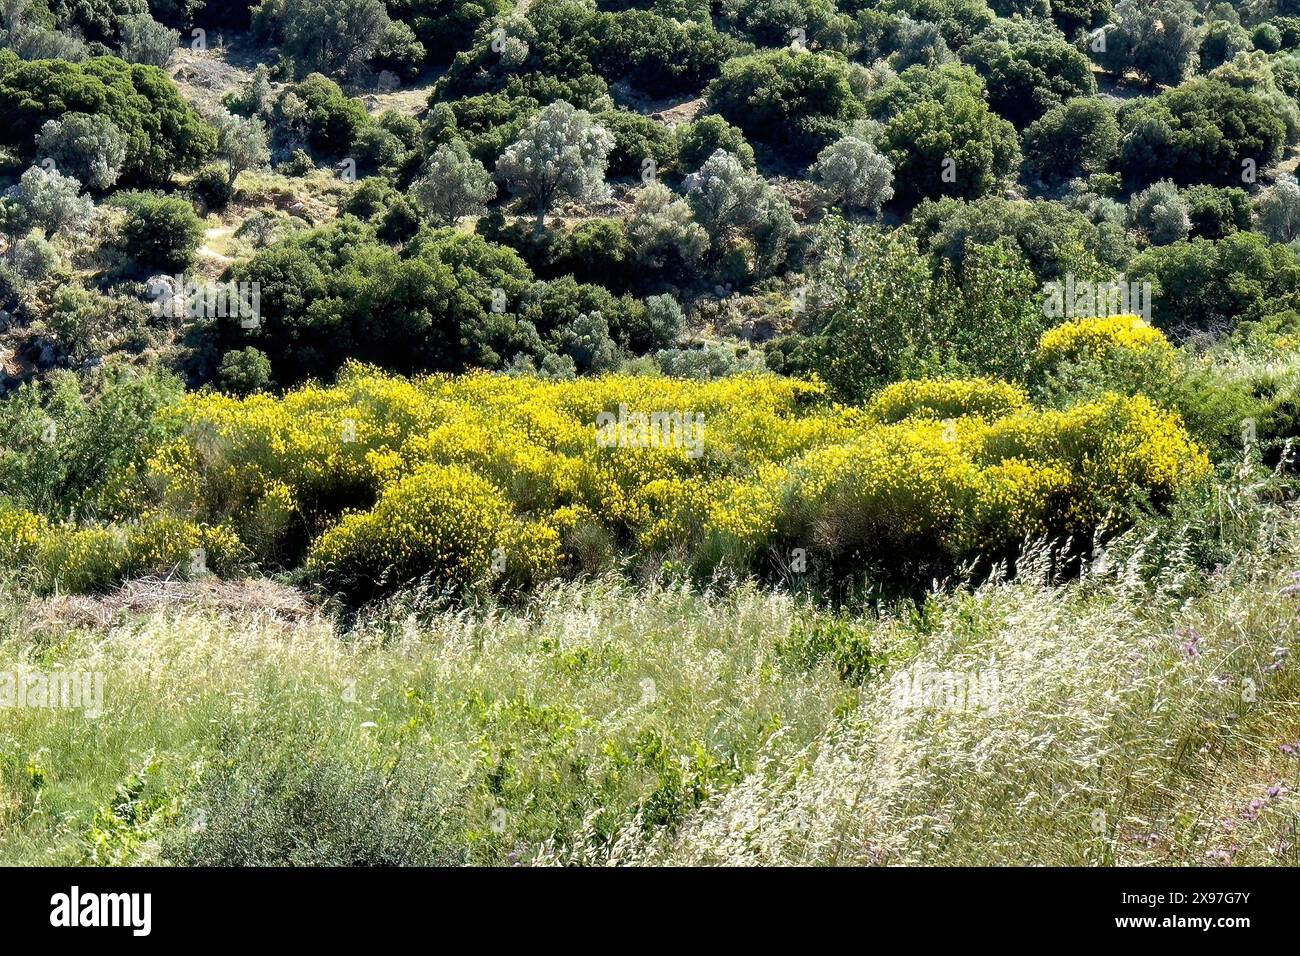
(1099,338)
(66,556)
(947,398)
(1116,449)
(494,479)
(442,521)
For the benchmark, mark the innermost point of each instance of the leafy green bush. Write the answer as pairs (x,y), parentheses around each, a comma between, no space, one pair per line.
(163,133)
(798,102)
(699,140)
(160,232)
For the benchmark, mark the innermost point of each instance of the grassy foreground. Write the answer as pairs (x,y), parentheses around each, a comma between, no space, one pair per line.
(1099,722)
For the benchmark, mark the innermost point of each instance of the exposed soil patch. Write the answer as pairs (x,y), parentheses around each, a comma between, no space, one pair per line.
(258,596)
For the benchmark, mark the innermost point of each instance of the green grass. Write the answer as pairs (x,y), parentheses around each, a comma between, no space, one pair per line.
(609,722)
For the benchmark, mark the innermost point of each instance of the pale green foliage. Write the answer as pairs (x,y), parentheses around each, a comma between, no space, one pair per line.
(32,257)
(333,37)
(453,185)
(88,147)
(562,152)
(661,224)
(1158,40)
(853,173)
(50,200)
(145,40)
(731,201)
(1161,212)
(1278,211)
(241,142)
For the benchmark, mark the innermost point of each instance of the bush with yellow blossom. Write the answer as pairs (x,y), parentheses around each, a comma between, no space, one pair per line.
(492,480)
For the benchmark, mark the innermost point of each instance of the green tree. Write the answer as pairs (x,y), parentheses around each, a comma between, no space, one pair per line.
(163,133)
(563,152)
(1076,139)
(161,232)
(1161,213)
(1158,39)
(453,185)
(732,202)
(1222,41)
(90,148)
(957,147)
(797,101)
(1210,285)
(1027,79)
(333,37)
(241,143)
(1205,131)
(699,140)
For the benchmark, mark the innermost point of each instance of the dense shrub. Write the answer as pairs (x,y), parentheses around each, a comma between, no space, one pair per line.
(336,293)
(742,214)
(1158,40)
(89,148)
(1026,80)
(1204,285)
(947,398)
(657,54)
(49,200)
(441,521)
(163,133)
(1215,212)
(65,447)
(1098,339)
(699,140)
(445,27)
(1054,239)
(486,480)
(212,187)
(336,38)
(799,102)
(318,112)
(954,147)
(1078,138)
(1205,131)
(69,557)
(161,232)
(876,311)
(642,147)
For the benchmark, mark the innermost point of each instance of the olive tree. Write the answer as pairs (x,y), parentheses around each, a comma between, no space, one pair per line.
(852,172)
(1278,211)
(661,225)
(145,40)
(562,152)
(729,200)
(333,37)
(453,185)
(1158,39)
(86,146)
(48,199)
(241,142)
(1161,212)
